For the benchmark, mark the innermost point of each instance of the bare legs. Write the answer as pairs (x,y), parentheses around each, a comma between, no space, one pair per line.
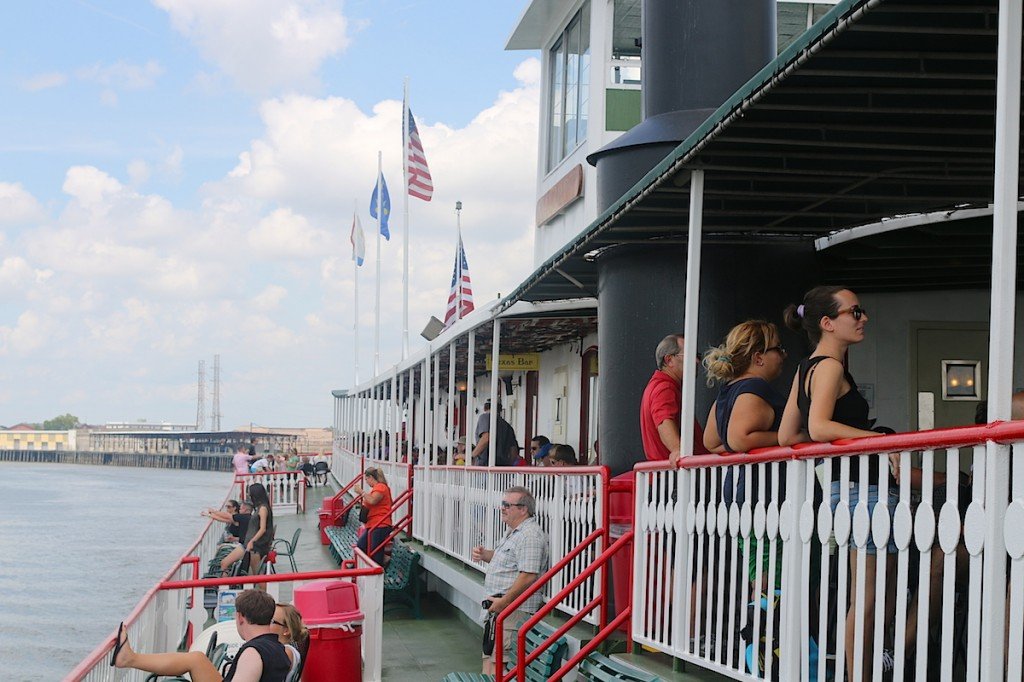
(195,663)
(867,634)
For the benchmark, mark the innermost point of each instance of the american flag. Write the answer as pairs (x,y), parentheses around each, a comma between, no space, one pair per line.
(460,300)
(417,178)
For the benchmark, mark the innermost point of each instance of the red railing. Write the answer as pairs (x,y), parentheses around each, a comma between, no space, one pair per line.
(268,578)
(405,524)
(106,646)
(958,436)
(605,627)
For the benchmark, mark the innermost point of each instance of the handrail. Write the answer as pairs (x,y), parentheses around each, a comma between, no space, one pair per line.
(271,578)
(351,503)
(535,586)
(396,528)
(958,436)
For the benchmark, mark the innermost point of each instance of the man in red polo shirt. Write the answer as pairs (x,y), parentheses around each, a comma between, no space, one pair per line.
(663,402)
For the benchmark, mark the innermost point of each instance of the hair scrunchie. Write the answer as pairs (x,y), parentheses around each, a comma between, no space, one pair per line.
(724,358)
(800,311)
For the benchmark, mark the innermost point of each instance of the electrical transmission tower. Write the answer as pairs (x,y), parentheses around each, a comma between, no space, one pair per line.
(201,399)
(216,394)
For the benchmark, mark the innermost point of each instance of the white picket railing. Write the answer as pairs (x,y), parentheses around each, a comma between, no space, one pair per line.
(287,489)
(922,606)
(458,508)
(345,465)
(397,476)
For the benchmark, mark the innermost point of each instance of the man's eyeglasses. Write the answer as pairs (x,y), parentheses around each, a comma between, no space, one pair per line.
(506,505)
(855,310)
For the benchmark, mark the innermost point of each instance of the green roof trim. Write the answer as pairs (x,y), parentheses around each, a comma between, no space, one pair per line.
(835,20)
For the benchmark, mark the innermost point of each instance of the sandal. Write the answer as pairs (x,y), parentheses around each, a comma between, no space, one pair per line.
(119,644)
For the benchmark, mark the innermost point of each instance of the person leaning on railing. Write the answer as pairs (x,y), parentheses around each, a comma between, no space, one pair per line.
(746,415)
(824,405)
(512,566)
(661,404)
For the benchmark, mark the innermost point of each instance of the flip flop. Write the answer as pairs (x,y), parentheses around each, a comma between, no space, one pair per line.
(119,644)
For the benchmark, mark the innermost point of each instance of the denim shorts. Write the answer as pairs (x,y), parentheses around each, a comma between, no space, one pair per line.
(853,498)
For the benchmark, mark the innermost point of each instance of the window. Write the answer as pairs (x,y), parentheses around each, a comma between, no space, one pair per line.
(569,92)
(625,57)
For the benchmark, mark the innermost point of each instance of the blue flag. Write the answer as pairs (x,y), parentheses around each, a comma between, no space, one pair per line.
(385,205)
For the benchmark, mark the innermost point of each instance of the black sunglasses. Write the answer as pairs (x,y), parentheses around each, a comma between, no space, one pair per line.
(855,310)
(780,349)
(506,505)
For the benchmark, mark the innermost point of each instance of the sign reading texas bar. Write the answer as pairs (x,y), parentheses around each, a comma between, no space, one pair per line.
(516,362)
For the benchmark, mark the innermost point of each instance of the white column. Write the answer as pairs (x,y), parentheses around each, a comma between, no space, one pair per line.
(692,312)
(393,454)
(399,414)
(495,409)
(469,417)
(452,396)
(1001,331)
(436,416)
(425,399)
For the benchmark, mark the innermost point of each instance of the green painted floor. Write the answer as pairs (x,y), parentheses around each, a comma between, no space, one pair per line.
(430,648)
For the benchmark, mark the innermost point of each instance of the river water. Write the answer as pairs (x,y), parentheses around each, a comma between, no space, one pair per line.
(79,546)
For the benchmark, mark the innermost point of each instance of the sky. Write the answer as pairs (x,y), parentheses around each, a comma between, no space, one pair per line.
(178,180)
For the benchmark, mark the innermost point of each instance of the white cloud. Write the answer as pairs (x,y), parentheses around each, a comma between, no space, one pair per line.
(17,205)
(122,75)
(263,45)
(119,278)
(171,164)
(270,297)
(43,81)
(138,172)
(286,234)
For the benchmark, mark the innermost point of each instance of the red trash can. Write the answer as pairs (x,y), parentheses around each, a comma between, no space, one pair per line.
(330,610)
(620,520)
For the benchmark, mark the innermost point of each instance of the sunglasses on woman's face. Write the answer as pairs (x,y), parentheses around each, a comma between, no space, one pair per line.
(855,310)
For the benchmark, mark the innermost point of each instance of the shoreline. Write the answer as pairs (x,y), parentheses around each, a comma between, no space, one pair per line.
(196,462)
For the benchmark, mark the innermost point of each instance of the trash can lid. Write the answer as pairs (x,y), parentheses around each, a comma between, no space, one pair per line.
(323,602)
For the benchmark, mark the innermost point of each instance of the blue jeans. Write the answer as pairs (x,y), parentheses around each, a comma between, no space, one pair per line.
(853,499)
(377,536)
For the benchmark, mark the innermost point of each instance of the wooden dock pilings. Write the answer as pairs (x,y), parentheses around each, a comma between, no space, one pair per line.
(198,462)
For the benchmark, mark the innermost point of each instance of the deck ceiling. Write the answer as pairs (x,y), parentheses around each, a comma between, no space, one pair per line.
(883,108)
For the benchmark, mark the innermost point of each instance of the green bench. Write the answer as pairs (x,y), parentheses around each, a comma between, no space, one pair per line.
(344,537)
(539,670)
(599,668)
(402,579)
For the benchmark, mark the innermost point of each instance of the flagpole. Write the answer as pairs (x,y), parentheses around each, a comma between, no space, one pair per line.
(458,258)
(376,306)
(355,296)
(405,213)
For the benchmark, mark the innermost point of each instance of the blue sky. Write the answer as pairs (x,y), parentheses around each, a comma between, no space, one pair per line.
(177,179)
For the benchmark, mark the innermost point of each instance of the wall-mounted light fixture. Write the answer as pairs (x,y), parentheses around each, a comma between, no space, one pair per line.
(460,386)
(961,380)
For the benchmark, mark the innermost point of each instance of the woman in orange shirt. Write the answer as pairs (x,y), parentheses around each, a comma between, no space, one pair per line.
(377,499)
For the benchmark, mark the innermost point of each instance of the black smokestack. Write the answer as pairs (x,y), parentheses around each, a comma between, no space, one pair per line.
(696,53)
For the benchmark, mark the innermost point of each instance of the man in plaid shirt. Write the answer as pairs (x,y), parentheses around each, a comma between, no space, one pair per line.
(512,566)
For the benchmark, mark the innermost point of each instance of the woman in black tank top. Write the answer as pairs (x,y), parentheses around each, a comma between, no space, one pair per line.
(824,405)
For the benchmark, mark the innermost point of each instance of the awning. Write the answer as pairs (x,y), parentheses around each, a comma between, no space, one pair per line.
(883,108)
